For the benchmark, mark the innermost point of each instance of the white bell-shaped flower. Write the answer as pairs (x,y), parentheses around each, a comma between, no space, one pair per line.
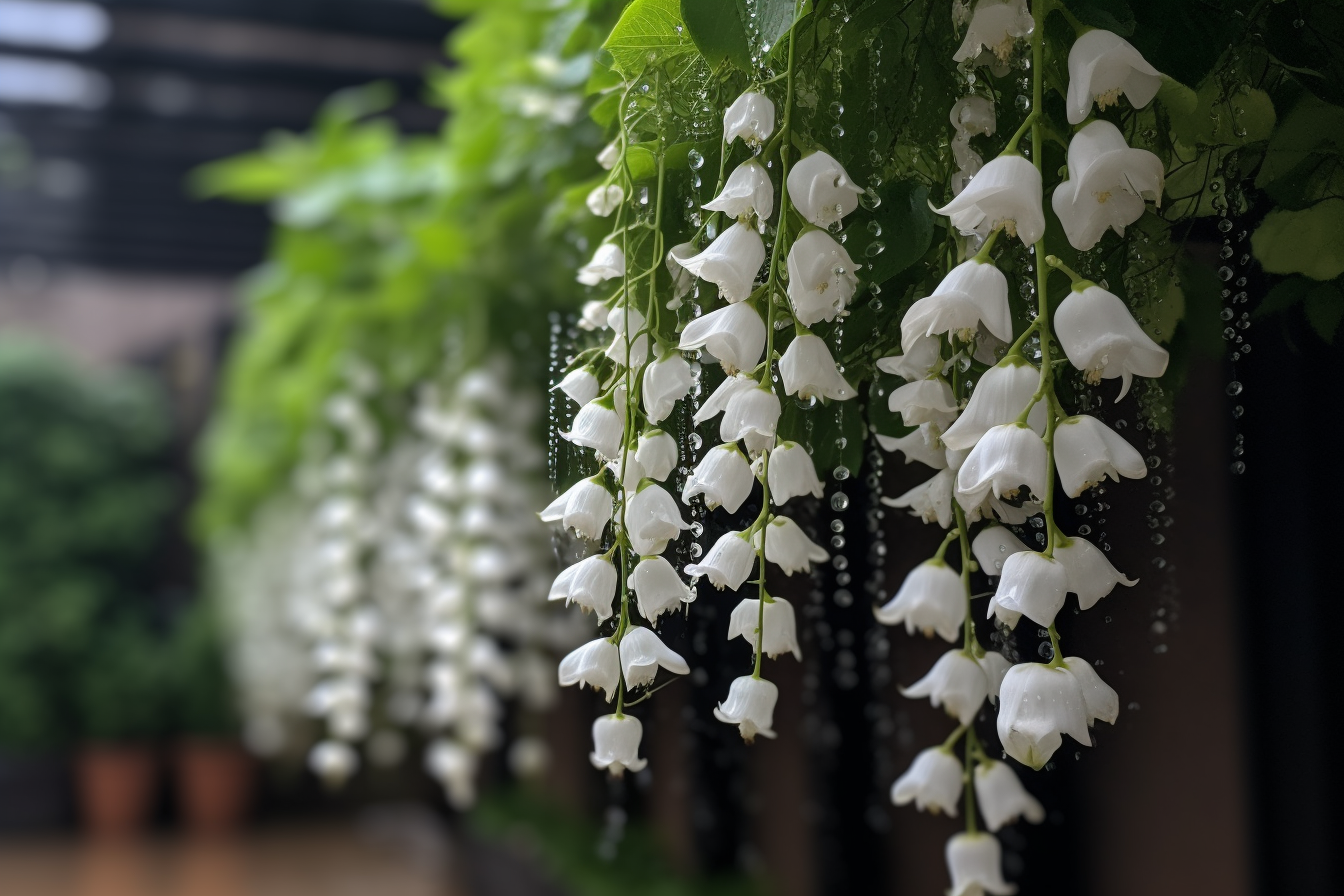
(605,199)
(789,548)
(728,563)
(608,262)
(333,761)
(974,293)
(580,385)
(596,664)
(975,861)
(609,156)
(995,665)
(624,320)
(1037,705)
(719,398)
(643,652)
(931,599)
(919,360)
(1000,396)
(930,501)
(735,335)
(454,766)
(933,782)
(598,426)
(652,519)
(616,744)
(724,477)
(820,189)
(751,415)
(1007,459)
(658,589)
(683,281)
(780,631)
(1103,65)
(993,545)
(1107,185)
(748,191)
(666,381)
(594,315)
(973,114)
(1102,339)
(1087,451)
(585,507)
(657,454)
(751,117)
(956,683)
(628,471)
(996,25)
(924,401)
(791,473)
(1100,701)
(1005,193)
(808,370)
(1002,798)
(923,445)
(730,262)
(750,706)
(821,277)
(1033,585)
(1091,575)
(590,583)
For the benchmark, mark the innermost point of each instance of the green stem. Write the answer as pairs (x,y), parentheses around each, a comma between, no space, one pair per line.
(1029,121)
(766,380)
(1054,262)
(983,255)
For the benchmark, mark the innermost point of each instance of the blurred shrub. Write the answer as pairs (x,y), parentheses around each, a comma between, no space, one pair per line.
(200,694)
(84,491)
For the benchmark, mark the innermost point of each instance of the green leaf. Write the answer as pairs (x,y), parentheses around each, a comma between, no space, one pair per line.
(904,231)
(1305,34)
(717,28)
(648,32)
(1282,296)
(1308,242)
(1246,116)
(1324,306)
(1311,125)
(1113,15)
(776,17)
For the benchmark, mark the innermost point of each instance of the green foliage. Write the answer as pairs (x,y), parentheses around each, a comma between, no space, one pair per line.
(83,497)
(384,242)
(199,694)
(1306,241)
(564,843)
(121,685)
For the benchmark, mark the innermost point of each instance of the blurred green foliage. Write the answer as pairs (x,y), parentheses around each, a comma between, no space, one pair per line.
(84,493)
(565,842)
(383,241)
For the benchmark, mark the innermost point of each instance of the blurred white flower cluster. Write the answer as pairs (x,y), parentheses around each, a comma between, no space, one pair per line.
(398,594)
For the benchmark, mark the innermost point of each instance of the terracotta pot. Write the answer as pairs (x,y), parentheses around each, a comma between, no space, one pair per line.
(214,785)
(116,785)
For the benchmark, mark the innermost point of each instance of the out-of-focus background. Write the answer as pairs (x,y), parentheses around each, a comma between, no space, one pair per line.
(127,764)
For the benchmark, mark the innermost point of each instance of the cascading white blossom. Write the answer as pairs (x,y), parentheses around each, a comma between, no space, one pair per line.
(411,580)
(1000,440)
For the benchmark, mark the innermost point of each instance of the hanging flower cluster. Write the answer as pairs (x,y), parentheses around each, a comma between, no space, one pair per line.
(410,578)
(760,337)
(1001,449)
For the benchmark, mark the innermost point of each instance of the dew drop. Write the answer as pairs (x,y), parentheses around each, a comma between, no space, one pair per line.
(839,501)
